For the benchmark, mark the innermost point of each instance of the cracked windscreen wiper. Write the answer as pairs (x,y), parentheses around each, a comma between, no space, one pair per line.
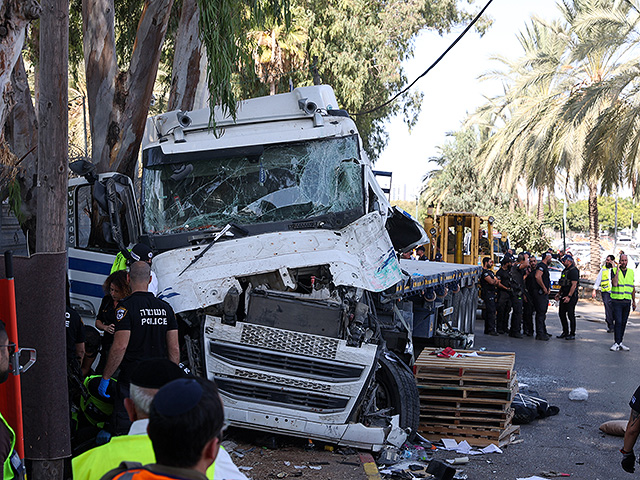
(218,236)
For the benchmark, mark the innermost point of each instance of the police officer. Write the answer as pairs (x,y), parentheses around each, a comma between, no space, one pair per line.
(517,293)
(504,293)
(146,328)
(568,297)
(488,284)
(603,283)
(527,308)
(541,291)
(12,467)
(623,299)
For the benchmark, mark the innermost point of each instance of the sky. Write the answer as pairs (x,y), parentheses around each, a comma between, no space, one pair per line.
(452,89)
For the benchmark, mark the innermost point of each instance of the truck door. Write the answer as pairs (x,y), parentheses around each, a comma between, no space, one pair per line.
(102,219)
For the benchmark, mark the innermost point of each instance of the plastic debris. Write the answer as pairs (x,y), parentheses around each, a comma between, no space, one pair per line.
(315,467)
(241,467)
(458,461)
(578,394)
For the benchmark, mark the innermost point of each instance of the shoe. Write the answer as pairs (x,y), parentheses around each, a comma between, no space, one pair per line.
(610,330)
(563,335)
(528,334)
(615,347)
(493,334)
(624,348)
(543,337)
(515,335)
(570,337)
(501,332)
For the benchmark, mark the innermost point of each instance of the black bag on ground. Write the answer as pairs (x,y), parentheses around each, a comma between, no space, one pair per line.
(528,408)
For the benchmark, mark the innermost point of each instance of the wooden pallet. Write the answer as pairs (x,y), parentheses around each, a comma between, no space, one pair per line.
(488,367)
(475,437)
(467,398)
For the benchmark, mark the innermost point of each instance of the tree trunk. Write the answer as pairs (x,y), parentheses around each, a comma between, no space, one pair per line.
(15,15)
(188,71)
(540,213)
(52,196)
(119,101)
(594,229)
(21,132)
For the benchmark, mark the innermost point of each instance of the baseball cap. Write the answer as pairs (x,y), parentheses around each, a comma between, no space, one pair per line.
(506,259)
(141,252)
(567,257)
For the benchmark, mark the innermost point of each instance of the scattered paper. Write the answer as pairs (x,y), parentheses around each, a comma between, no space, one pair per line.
(287,463)
(463,447)
(535,477)
(240,467)
(449,443)
(458,461)
(300,466)
(491,448)
(312,467)
(473,354)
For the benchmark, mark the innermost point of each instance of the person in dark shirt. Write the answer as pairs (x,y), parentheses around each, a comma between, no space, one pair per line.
(116,287)
(146,328)
(75,336)
(504,293)
(517,293)
(568,297)
(527,308)
(488,284)
(540,295)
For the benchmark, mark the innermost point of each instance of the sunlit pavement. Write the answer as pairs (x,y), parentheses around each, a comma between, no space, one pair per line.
(569,442)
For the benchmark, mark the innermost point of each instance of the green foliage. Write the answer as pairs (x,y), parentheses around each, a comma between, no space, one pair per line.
(578,215)
(15,200)
(524,231)
(458,186)
(360,47)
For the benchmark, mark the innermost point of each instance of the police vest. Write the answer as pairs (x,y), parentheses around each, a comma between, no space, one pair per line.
(13,468)
(98,461)
(605,283)
(625,286)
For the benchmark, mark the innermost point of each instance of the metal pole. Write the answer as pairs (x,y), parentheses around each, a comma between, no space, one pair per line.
(615,226)
(84,115)
(564,222)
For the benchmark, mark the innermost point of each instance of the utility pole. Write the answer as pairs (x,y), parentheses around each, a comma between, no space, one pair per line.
(53,162)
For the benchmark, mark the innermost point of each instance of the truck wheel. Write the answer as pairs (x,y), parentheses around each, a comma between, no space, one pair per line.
(398,392)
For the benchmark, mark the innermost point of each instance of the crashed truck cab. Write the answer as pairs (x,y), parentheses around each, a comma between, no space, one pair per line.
(278,250)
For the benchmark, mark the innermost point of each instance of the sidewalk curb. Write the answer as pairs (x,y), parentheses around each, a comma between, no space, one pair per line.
(370,467)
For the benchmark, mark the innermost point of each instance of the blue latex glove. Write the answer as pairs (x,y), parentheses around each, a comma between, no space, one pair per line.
(102,389)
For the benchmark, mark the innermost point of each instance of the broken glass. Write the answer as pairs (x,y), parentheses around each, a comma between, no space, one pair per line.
(292,181)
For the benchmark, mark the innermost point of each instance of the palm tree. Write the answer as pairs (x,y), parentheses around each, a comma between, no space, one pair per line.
(551,117)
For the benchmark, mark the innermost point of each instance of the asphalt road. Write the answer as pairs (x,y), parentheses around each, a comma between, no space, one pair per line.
(569,442)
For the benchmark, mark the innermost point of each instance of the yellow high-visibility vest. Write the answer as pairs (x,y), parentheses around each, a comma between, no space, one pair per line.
(625,286)
(96,462)
(605,283)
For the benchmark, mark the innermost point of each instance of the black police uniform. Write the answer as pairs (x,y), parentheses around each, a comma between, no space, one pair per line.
(75,334)
(489,298)
(527,308)
(107,315)
(517,300)
(568,309)
(541,300)
(148,319)
(504,300)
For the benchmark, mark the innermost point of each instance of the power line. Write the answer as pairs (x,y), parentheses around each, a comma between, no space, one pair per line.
(404,90)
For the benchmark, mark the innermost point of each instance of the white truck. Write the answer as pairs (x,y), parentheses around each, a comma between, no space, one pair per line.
(278,251)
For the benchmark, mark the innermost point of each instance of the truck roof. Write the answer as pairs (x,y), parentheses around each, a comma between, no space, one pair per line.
(292,116)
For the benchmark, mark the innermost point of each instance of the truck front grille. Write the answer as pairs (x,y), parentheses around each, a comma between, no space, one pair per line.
(288,341)
(299,399)
(271,361)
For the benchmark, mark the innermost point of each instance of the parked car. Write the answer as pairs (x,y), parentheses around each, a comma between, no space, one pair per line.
(555,270)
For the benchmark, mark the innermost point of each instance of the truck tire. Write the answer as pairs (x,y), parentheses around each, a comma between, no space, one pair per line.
(397,390)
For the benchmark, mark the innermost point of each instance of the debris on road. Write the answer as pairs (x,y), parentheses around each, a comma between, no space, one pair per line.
(579,394)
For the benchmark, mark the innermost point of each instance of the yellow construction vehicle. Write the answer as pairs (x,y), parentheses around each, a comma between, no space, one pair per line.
(462,237)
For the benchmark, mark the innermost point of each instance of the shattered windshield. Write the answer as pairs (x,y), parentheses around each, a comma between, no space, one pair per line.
(292,181)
